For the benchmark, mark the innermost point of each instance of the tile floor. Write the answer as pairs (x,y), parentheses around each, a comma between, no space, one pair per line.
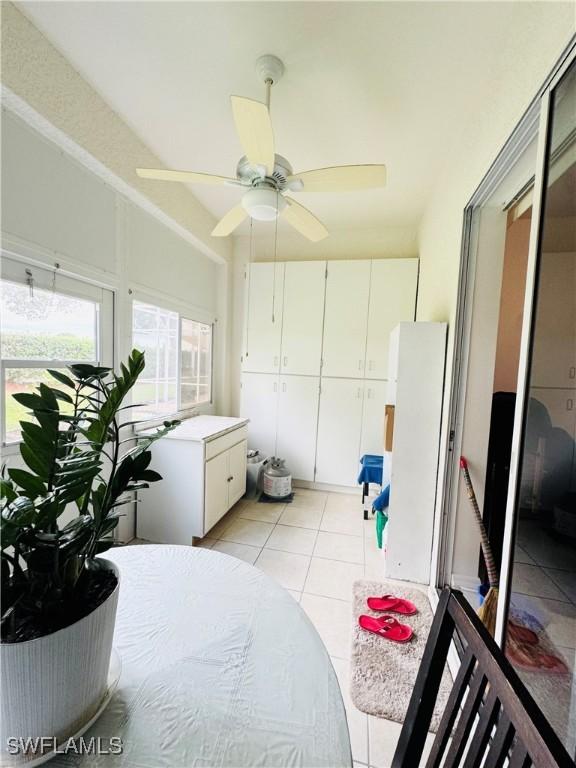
(544,585)
(316,547)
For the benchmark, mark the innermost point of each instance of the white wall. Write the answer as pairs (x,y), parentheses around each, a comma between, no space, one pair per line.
(541,33)
(55,210)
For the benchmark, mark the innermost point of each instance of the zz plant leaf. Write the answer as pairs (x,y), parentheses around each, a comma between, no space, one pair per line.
(75,456)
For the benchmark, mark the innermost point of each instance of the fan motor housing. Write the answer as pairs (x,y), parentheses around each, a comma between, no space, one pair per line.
(251,174)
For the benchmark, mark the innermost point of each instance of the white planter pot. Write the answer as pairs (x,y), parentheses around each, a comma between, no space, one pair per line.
(53,685)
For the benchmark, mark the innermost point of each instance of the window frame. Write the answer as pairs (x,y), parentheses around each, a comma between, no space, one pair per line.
(17,270)
(183,313)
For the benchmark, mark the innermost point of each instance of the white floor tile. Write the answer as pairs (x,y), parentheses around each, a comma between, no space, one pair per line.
(333,621)
(566,580)
(332,578)
(339,546)
(558,618)
(357,721)
(241,551)
(305,497)
(533,580)
(303,517)
(287,568)
(382,740)
(344,520)
(224,523)
(264,513)
(348,501)
(294,594)
(248,532)
(291,539)
(521,556)
(375,563)
(542,548)
(206,543)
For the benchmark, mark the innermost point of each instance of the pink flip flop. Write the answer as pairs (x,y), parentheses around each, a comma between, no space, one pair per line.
(392,603)
(386,626)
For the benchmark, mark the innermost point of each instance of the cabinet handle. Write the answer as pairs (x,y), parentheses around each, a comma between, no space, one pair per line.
(275,387)
(572,372)
(285,361)
(569,404)
(360,364)
(369,393)
(284,387)
(359,395)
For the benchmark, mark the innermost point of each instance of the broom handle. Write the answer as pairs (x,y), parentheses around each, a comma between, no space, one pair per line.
(493,577)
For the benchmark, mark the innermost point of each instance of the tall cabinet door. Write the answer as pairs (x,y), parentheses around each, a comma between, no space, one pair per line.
(259,403)
(297,424)
(393,284)
(339,429)
(262,334)
(216,490)
(304,283)
(237,470)
(345,319)
(373,418)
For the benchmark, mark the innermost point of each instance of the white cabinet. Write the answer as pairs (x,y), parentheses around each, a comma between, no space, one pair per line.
(263,328)
(330,334)
(339,431)
(372,440)
(237,456)
(417,355)
(297,424)
(303,317)
(203,468)
(259,403)
(216,480)
(225,482)
(345,318)
(392,299)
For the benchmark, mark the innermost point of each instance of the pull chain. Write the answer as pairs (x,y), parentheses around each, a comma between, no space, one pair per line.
(30,282)
(275,253)
(249,282)
(56,268)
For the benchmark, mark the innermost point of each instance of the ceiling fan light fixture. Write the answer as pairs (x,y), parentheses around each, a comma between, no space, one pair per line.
(263,204)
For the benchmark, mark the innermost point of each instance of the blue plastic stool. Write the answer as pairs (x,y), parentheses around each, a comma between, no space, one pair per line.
(372,469)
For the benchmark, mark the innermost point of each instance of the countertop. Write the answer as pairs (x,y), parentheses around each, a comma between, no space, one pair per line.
(204,428)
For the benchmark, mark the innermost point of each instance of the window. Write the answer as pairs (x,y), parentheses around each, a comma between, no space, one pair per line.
(47,321)
(178,372)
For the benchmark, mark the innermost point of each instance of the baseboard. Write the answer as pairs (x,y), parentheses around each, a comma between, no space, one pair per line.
(328,487)
(468,585)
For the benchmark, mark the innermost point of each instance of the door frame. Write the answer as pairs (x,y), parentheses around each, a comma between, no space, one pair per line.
(525,363)
(535,121)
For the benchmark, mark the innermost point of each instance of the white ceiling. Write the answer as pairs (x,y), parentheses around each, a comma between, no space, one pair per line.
(365,83)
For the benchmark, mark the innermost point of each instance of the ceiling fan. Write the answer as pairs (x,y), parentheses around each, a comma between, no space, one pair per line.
(268,177)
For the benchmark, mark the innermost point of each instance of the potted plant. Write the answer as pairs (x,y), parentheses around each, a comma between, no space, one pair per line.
(58,598)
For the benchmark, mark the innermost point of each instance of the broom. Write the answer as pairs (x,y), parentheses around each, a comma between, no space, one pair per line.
(487,611)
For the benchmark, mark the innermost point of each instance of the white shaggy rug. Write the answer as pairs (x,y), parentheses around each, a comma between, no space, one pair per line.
(383,672)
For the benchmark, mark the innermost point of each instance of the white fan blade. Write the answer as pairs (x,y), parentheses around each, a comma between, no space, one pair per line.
(160,174)
(254,128)
(304,221)
(341,178)
(230,221)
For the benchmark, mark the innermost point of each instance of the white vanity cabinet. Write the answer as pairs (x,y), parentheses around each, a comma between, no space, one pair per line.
(203,468)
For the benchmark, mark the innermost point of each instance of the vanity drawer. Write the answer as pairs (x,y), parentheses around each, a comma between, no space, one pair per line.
(220,444)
